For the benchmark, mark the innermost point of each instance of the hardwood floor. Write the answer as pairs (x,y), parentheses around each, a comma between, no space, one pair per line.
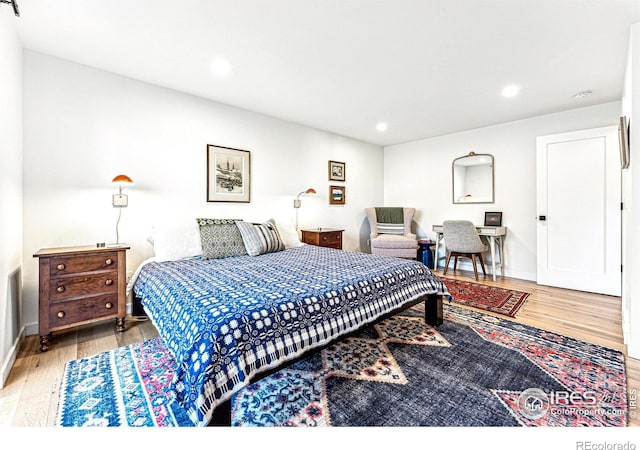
(30,396)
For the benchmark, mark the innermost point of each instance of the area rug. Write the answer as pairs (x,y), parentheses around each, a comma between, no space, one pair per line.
(474,370)
(489,298)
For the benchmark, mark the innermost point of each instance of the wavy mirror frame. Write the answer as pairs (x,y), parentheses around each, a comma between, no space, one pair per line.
(481,189)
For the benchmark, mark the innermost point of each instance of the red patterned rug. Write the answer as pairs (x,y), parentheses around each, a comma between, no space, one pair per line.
(489,298)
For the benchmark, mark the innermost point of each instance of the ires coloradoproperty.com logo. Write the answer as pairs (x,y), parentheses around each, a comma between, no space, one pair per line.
(534,403)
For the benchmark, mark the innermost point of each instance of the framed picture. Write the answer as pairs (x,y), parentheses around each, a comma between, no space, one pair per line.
(336,195)
(228,174)
(623,135)
(337,171)
(492,219)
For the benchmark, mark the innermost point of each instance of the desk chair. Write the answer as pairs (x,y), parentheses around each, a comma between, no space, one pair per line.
(462,240)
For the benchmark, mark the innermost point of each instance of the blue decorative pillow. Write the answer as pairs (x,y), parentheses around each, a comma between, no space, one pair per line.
(260,238)
(220,238)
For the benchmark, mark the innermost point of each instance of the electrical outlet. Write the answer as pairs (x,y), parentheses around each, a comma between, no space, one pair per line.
(120,200)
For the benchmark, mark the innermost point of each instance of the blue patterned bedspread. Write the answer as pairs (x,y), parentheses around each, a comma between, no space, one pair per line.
(225,320)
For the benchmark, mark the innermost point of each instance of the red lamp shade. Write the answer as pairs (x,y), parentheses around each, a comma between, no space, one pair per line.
(310,191)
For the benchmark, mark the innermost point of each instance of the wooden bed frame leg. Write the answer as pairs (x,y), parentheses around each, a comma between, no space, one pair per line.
(221,415)
(433,314)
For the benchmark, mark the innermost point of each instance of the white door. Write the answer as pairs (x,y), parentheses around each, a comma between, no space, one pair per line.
(578,208)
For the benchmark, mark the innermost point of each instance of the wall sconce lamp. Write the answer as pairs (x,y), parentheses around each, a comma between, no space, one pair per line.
(120,200)
(297,202)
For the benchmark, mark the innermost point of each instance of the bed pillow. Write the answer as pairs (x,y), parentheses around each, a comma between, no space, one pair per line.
(288,234)
(175,241)
(220,238)
(260,238)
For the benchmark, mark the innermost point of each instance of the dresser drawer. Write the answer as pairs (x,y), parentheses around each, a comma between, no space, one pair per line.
(323,238)
(62,314)
(80,285)
(63,265)
(331,239)
(63,288)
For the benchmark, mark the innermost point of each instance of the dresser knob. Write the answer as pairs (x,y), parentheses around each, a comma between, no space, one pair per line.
(61,314)
(108,282)
(109,305)
(60,289)
(108,261)
(60,266)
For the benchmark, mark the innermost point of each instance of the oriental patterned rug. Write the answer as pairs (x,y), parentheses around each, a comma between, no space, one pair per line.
(489,298)
(474,370)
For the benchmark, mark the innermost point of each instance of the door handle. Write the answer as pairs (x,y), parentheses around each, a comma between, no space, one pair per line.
(543,218)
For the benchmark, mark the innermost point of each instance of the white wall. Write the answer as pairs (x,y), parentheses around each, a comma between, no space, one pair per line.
(10,192)
(418,174)
(83,126)
(631,197)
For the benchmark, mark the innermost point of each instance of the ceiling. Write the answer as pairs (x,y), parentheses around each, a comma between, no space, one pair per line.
(424,67)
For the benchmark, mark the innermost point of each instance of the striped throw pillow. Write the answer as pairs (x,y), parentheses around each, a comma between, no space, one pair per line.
(260,238)
(391,228)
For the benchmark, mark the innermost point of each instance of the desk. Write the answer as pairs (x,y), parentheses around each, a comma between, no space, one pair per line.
(495,236)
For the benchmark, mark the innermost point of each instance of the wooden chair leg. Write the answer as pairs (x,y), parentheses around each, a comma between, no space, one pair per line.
(482,263)
(446,266)
(475,268)
(455,263)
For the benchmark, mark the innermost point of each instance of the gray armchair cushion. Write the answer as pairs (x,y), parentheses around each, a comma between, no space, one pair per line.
(394,241)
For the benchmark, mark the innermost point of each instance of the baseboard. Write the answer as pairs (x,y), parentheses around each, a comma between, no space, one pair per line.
(7,364)
(633,351)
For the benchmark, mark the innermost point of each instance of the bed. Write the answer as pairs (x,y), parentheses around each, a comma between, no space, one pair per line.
(230,321)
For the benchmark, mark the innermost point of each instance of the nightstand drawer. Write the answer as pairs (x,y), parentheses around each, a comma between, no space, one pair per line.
(331,239)
(63,288)
(83,263)
(70,312)
(323,237)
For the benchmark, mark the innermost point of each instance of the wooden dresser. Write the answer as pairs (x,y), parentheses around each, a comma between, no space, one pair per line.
(80,285)
(323,237)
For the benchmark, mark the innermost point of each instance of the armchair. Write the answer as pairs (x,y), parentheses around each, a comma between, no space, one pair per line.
(391,232)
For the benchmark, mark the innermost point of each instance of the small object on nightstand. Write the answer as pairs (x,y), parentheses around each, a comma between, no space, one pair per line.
(323,237)
(80,285)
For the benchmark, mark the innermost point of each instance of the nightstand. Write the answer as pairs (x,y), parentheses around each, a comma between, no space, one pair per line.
(323,237)
(80,285)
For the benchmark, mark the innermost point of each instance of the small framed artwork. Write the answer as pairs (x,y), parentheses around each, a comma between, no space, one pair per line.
(492,219)
(336,195)
(228,174)
(337,171)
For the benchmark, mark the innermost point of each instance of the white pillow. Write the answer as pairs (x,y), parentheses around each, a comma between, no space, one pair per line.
(288,234)
(176,241)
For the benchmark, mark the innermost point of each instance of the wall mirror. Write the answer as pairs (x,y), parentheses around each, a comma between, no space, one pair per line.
(473,178)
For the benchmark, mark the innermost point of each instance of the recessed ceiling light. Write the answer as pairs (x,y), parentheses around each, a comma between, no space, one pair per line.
(381,126)
(510,91)
(582,94)
(220,67)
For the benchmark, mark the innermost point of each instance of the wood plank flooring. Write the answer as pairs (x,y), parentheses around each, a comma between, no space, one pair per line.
(30,396)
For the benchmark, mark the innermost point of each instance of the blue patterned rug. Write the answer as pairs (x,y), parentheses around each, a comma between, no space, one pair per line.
(474,370)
